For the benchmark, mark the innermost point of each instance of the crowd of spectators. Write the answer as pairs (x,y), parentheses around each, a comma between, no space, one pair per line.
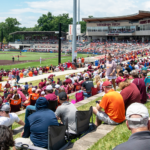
(130,76)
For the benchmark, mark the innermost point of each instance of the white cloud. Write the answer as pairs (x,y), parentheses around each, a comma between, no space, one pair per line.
(97,8)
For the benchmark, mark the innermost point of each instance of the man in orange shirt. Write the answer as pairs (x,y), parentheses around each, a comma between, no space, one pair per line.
(21,75)
(113,105)
(82,61)
(30,74)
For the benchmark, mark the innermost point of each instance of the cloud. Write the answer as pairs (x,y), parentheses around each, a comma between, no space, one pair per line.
(32,10)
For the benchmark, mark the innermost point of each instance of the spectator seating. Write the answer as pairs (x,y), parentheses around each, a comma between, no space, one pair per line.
(83,124)
(94,91)
(56,137)
(79,97)
(15,105)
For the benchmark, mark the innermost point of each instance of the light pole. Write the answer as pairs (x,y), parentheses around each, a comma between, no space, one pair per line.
(59,47)
(74,28)
(78,17)
(1,38)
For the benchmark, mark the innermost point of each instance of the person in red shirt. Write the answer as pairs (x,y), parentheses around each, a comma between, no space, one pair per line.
(42,83)
(7,85)
(35,72)
(50,96)
(68,80)
(77,85)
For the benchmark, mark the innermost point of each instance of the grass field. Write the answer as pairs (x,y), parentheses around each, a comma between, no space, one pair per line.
(28,56)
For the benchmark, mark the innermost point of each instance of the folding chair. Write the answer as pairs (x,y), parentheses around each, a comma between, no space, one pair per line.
(79,97)
(15,105)
(56,137)
(52,105)
(83,124)
(33,101)
(94,91)
(78,87)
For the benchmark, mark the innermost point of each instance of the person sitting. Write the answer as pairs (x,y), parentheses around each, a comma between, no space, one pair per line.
(8,118)
(26,86)
(140,85)
(57,86)
(59,81)
(29,89)
(33,96)
(77,85)
(137,120)
(6,142)
(30,74)
(68,80)
(99,83)
(87,87)
(7,85)
(50,96)
(130,93)
(42,94)
(35,73)
(36,125)
(120,77)
(21,75)
(113,104)
(66,111)
(42,83)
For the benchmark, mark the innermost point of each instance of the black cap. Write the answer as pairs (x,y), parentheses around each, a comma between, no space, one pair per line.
(63,96)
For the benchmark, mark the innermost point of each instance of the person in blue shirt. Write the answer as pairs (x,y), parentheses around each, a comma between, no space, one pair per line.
(36,126)
(26,86)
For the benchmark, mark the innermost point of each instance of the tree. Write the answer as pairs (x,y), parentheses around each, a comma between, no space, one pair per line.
(4,41)
(50,23)
(90,17)
(83,26)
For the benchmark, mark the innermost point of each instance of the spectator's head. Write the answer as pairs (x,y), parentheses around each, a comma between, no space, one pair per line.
(124,84)
(57,86)
(7,141)
(86,77)
(61,89)
(107,86)
(137,118)
(97,79)
(41,103)
(64,83)
(62,97)
(33,90)
(134,74)
(58,79)
(30,83)
(75,79)
(79,74)
(121,73)
(49,89)
(47,83)
(66,76)
(4,110)
(109,57)
(42,93)
(42,80)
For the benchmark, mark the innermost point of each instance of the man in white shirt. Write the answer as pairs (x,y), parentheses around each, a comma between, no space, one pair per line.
(136,66)
(7,118)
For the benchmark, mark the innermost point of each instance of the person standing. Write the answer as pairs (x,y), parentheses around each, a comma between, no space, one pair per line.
(18,57)
(111,70)
(13,59)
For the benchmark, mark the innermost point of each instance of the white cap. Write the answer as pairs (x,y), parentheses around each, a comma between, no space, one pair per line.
(42,93)
(14,88)
(57,86)
(47,82)
(137,109)
(79,74)
(33,89)
(75,78)
(66,76)
(49,87)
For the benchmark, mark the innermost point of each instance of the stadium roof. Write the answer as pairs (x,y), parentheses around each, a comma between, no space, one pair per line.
(137,16)
(35,32)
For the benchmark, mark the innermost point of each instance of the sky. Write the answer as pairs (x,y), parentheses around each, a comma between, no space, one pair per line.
(28,12)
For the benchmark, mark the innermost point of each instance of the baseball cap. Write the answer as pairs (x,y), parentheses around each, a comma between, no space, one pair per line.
(5,107)
(47,82)
(71,75)
(33,89)
(57,86)
(49,87)
(66,76)
(14,88)
(134,72)
(75,78)
(79,74)
(137,109)
(107,83)
(63,96)
(42,93)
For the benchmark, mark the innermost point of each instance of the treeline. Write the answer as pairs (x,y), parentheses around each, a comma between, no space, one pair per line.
(47,22)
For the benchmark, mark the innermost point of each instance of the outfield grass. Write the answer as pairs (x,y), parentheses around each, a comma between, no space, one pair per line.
(35,56)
